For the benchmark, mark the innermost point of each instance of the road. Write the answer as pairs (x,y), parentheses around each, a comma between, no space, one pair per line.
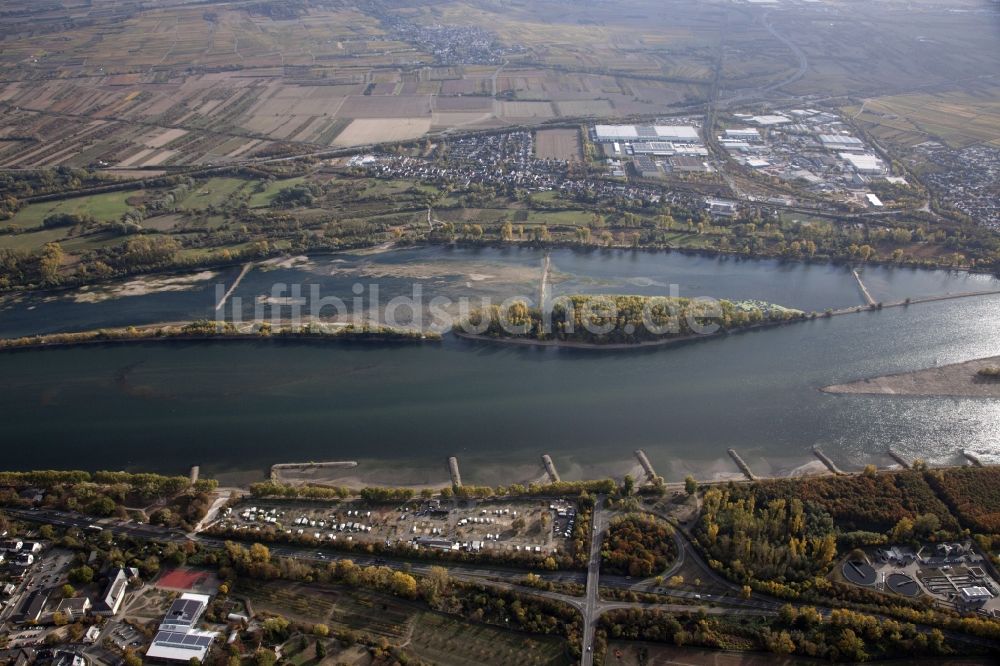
(589,611)
(800,55)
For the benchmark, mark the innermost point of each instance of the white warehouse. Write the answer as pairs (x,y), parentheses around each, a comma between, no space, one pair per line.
(630,133)
(864,163)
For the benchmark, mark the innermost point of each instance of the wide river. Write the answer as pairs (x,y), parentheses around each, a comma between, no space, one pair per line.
(400,411)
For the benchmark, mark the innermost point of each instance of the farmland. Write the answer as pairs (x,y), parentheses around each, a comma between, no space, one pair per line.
(180,85)
(956,118)
(102,207)
(381,616)
(434,638)
(442,640)
(558,144)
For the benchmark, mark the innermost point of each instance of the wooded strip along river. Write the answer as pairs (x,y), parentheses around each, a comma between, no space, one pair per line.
(401,410)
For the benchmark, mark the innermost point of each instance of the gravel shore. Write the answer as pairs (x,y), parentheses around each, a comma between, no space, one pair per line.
(958,379)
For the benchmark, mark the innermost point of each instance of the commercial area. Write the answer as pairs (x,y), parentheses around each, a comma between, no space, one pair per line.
(653,150)
(812,149)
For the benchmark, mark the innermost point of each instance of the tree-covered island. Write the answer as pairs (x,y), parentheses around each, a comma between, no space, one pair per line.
(594,320)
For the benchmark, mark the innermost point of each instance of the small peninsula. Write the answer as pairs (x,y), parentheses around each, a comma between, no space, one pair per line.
(978,378)
(210,330)
(620,321)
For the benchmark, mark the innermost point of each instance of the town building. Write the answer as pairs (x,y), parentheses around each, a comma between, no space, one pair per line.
(74,608)
(177,640)
(11,545)
(114,594)
(34,606)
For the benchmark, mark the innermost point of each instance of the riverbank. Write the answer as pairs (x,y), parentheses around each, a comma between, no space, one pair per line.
(211,331)
(954,380)
(140,277)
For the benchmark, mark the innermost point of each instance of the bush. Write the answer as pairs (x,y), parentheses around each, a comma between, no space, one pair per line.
(54,220)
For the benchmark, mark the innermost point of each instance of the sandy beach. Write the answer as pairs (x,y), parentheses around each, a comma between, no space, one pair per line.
(955,380)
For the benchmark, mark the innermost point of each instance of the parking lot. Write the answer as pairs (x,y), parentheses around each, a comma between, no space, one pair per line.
(535,526)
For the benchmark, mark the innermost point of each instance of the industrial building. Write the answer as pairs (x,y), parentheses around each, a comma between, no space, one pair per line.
(749,134)
(975,594)
(873,200)
(646,167)
(864,163)
(721,207)
(775,119)
(633,133)
(686,163)
(177,639)
(665,148)
(841,142)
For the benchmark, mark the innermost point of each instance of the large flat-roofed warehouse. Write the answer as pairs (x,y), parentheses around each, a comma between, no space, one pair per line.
(177,639)
(748,134)
(864,162)
(632,133)
(646,167)
(667,148)
(687,163)
(841,142)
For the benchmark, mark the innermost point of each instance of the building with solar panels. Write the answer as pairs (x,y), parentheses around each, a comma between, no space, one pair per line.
(177,639)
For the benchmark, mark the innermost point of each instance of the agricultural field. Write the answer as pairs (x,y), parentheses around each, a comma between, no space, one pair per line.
(432,637)
(172,86)
(958,119)
(438,639)
(102,207)
(214,192)
(263,198)
(558,144)
(376,614)
(363,131)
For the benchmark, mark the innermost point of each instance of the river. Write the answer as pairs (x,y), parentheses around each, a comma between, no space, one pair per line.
(235,408)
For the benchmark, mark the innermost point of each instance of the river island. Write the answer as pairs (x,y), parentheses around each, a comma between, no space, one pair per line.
(620,321)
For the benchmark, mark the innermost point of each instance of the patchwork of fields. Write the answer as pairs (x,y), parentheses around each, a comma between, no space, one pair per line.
(956,118)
